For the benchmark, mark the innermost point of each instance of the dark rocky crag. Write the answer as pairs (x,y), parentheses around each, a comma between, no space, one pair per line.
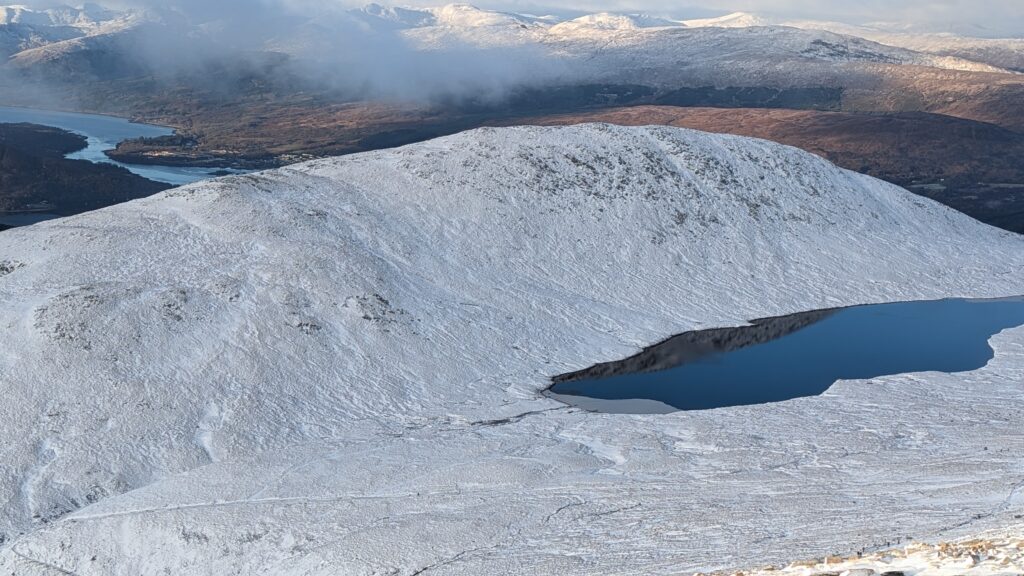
(691,346)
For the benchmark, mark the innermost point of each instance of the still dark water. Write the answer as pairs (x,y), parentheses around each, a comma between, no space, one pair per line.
(25,219)
(795,356)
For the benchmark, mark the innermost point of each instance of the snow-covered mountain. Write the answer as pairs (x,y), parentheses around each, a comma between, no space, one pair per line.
(22,28)
(458,23)
(380,16)
(85,18)
(1005,53)
(336,367)
(608,43)
(589,24)
(733,20)
(601,47)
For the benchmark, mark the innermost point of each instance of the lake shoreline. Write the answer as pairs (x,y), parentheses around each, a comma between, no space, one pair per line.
(104,133)
(42,181)
(796,356)
(133,120)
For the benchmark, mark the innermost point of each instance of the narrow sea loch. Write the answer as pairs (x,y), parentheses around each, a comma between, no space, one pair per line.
(777,359)
(103,133)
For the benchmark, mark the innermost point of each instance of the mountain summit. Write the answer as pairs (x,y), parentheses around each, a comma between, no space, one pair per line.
(268,373)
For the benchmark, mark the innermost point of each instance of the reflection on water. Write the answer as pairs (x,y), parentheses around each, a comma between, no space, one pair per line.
(794,356)
(104,133)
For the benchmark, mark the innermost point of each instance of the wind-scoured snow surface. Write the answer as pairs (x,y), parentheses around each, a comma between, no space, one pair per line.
(336,368)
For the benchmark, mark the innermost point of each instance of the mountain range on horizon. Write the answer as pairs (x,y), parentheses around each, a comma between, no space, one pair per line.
(25,29)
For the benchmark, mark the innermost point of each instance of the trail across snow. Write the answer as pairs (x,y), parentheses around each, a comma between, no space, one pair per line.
(336,368)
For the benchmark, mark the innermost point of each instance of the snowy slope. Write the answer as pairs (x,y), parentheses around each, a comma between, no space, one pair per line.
(734,20)
(84,18)
(1007,53)
(57,22)
(607,46)
(335,367)
(51,32)
(387,17)
(586,25)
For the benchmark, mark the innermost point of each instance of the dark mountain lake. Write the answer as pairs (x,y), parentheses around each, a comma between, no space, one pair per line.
(104,133)
(778,359)
(24,219)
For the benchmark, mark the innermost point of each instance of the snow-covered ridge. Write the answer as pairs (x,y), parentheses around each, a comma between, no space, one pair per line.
(87,18)
(624,41)
(394,16)
(604,47)
(335,367)
(1006,53)
(23,29)
(734,20)
(466,16)
(605,21)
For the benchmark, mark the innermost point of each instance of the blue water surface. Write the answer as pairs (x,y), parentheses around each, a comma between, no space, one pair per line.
(848,344)
(104,133)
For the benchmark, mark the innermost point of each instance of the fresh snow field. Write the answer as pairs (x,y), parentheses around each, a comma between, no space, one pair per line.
(337,367)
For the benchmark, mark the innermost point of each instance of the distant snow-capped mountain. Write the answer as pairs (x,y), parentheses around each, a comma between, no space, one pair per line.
(392,17)
(1005,53)
(665,46)
(610,21)
(22,28)
(734,20)
(604,45)
(86,17)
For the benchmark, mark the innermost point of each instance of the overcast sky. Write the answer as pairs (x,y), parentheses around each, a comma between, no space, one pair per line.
(1003,16)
